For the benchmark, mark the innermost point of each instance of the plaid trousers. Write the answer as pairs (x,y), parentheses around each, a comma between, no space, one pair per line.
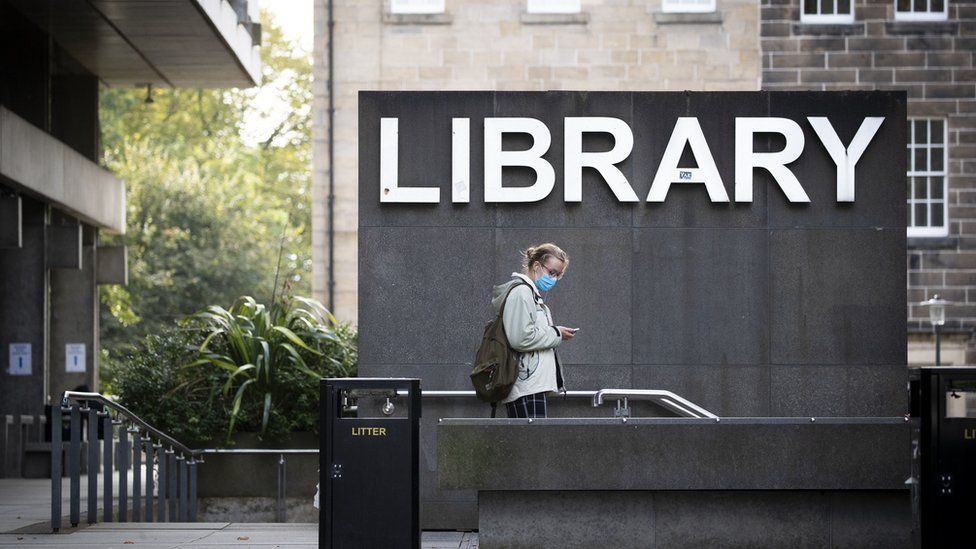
(528,406)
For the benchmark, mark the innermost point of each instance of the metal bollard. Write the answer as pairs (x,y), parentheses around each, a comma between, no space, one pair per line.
(74,465)
(149,478)
(92,465)
(123,472)
(193,488)
(160,483)
(171,484)
(107,449)
(56,452)
(280,500)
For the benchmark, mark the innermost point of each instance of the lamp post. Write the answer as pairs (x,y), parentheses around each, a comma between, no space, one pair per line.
(937,316)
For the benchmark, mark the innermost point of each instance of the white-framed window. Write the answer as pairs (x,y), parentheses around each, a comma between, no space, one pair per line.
(416,6)
(553,6)
(688,6)
(928,184)
(921,10)
(827,11)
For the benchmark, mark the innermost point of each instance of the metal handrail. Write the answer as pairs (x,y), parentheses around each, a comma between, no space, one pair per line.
(132,417)
(667,399)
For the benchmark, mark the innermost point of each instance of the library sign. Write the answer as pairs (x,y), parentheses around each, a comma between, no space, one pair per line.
(520,157)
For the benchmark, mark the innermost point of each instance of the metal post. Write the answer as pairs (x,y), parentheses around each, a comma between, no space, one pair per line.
(160,484)
(193,489)
(123,472)
(56,452)
(171,484)
(107,449)
(149,478)
(92,465)
(938,345)
(136,476)
(74,464)
(280,503)
(184,512)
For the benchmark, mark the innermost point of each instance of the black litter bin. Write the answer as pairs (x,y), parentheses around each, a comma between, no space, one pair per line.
(944,401)
(369,463)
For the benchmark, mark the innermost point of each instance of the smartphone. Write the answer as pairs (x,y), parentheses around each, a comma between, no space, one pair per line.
(574,330)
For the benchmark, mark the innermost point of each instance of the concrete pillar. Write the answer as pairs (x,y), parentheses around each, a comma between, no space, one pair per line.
(23,307)
(74,317)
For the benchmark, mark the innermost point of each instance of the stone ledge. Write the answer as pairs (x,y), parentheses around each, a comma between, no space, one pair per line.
(581,18)
(713,18)
(921,27)
(831,29)
(830,453)
(933,242)
(416,18)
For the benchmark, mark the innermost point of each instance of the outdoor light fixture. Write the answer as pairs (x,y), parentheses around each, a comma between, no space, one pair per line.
(937,316)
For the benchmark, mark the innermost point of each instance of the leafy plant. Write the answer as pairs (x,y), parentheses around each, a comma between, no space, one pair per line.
(268,355)
(153,382)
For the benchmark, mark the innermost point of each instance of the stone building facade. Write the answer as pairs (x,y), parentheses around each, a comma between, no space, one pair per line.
(929,52)
(924,47)
(499,45)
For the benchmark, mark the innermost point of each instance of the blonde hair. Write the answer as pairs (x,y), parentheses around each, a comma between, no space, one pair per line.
(542,252)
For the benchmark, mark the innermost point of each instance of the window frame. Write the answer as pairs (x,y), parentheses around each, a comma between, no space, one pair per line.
(669,7)
(923,16)
(827,18)
(407,10)
(533,8)
(912,144)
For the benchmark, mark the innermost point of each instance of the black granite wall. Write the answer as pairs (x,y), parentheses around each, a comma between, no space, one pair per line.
(749,309)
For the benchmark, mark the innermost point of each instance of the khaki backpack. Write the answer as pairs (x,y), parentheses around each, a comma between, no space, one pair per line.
(496,363)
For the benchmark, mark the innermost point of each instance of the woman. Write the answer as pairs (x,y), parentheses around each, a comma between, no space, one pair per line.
(531,330)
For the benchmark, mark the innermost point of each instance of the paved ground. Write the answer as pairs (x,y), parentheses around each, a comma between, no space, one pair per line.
(25,514)
(210,535)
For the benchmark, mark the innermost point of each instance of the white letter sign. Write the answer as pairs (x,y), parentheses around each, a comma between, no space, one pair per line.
(390,191)
(845,158)
(775,162)
(603,162)
(687,130)
(496,158)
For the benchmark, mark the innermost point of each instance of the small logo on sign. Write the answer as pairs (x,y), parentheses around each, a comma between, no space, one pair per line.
(684,175)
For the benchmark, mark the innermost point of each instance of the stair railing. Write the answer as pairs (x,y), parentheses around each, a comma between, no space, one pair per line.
(164,485)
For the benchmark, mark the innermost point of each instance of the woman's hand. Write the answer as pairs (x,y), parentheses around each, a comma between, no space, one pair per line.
(567,333)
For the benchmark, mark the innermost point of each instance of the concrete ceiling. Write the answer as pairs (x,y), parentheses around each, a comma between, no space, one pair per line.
(179,43)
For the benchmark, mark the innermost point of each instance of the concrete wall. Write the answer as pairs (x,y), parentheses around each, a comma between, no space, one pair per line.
(761,309)
(493,45)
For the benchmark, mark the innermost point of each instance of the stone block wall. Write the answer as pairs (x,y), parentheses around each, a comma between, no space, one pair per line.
(494,45)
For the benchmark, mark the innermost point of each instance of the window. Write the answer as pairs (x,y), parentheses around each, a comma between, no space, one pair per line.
(927,183)
(687,6)
(416,6)
(827,11)
(553,6)
(921,10)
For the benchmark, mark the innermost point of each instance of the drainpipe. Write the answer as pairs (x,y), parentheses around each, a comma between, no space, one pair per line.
(331,140)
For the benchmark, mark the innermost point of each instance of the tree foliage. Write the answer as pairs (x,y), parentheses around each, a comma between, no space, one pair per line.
(218,189)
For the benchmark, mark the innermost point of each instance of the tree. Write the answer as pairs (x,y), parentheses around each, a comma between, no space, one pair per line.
(218,185)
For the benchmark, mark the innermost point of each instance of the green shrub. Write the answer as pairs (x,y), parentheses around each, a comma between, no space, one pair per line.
(271,360)
(246,369)
(153,383)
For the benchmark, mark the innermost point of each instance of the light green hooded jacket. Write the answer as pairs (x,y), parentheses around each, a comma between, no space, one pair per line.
(532,332)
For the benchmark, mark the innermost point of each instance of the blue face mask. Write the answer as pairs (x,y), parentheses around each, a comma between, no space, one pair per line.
(545,282)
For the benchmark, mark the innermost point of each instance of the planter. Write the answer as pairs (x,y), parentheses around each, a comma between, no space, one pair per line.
(256,475)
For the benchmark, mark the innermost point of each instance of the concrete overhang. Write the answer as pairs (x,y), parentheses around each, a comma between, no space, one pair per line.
(33,162)
(166,43)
